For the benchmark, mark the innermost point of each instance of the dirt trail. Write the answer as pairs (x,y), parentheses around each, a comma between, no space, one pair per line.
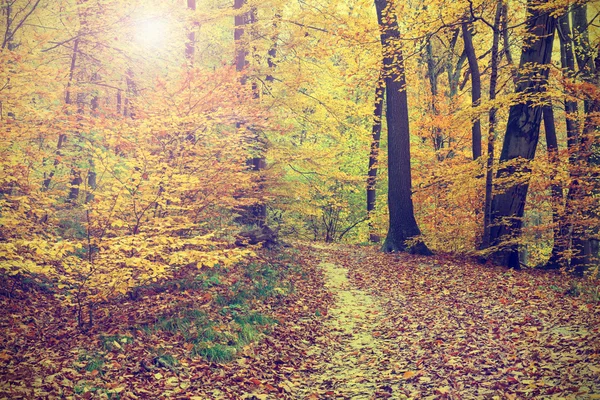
(354,359)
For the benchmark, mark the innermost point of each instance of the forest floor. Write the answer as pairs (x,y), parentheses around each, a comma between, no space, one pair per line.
(317,322)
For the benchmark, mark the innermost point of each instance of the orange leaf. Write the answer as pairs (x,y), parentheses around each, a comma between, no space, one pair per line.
(270,388)
(409,374)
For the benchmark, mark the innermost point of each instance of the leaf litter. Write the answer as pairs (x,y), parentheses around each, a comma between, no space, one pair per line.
(359,324)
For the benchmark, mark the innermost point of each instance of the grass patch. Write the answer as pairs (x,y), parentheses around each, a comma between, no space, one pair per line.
(247,334)
(218,338)
(215,353)
(253,318)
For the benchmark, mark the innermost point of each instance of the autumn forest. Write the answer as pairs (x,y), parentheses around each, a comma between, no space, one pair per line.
(305,199)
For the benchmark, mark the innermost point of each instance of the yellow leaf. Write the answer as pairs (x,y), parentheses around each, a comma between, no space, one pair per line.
(173,381)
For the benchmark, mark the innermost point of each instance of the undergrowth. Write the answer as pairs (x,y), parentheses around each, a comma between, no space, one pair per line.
(234,318)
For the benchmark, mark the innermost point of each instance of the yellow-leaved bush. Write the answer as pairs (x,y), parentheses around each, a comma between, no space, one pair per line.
(99,203)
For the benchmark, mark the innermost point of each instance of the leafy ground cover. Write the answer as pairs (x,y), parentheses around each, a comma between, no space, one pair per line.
(220,334)
(315,322)
(451,328)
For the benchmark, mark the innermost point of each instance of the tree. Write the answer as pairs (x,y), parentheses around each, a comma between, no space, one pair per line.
(492,121)
(563,228)
(522,134)
(257,213)
(403,226)
(374,154)
(475,87)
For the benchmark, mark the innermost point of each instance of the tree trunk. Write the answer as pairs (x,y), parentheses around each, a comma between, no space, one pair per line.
(403,226)
(475,87)
(374,154)
(68,101)
(563,229)
(190,45)
(257,213)
(454,71)
(588,61)
(432,75)
(556,191)
(522,134)
(489,173)
(572,234)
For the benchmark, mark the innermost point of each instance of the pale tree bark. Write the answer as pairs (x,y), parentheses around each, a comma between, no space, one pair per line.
(521,138)
(403,233)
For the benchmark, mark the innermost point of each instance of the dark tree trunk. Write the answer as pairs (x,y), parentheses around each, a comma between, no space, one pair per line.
(62,138)
(583,53)
(567,61)
(563,229)
(570,233)
(454,71)
(506,42)
(257,213)
(403,226)
(272,53)
(522,134)
(241,51)
(588,61)
(475,88)
(374,154)
(489,173)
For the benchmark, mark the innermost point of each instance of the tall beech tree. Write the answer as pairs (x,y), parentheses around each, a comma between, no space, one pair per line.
(522,134)
(403,225)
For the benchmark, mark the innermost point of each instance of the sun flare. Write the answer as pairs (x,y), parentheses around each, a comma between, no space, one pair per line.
(151,31)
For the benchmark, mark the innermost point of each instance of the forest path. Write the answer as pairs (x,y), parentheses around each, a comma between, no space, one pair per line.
(404,326)
(354,362)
